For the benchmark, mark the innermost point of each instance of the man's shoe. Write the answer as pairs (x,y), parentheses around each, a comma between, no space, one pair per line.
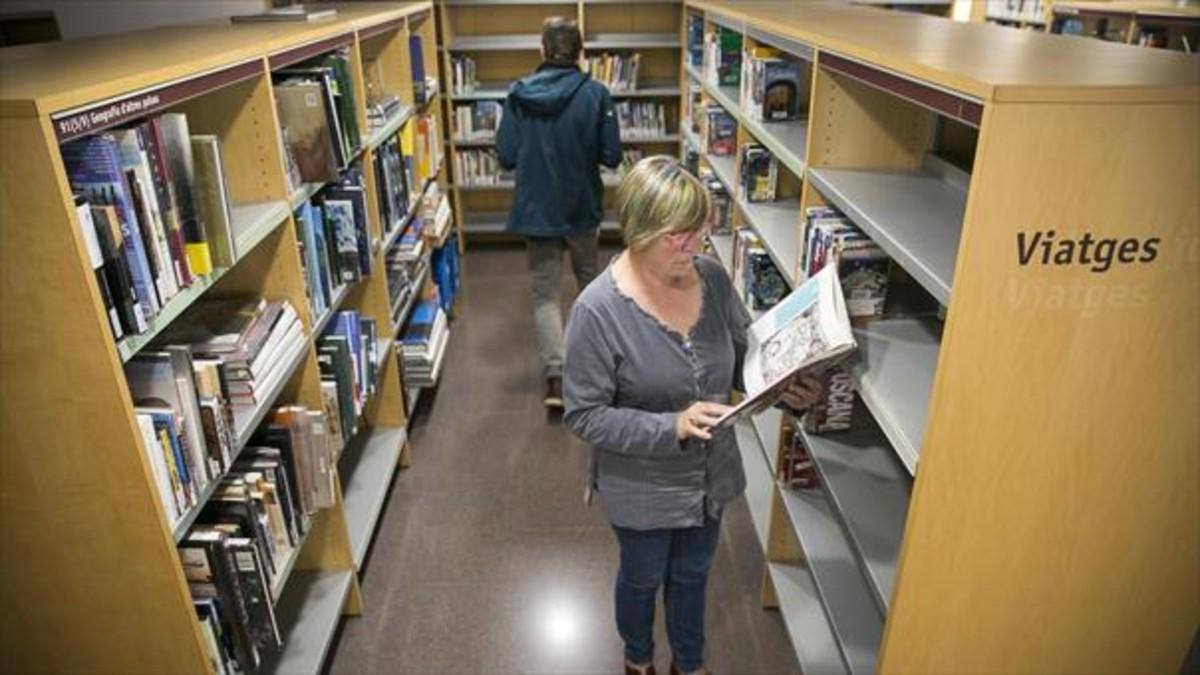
(632,669)
(553,397)
(700,671)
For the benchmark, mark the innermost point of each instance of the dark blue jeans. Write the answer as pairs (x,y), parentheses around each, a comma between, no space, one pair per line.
(678,560)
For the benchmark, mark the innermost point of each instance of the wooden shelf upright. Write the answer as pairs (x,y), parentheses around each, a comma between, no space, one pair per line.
(1017,492)
(90,569)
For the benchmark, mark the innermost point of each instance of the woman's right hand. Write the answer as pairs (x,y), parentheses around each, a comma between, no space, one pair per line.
(696,420)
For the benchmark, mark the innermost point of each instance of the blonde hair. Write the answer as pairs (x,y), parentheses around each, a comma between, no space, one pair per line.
(657,197)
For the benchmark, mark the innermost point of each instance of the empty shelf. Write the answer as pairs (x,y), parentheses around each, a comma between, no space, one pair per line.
(486,43)
(368,467)
(870,490)
(767,425)
(759,479)
(788,141)
(778,225)
(723,245)
(893,371)
(632,41)
(308,618)
(723,167)
(853,615)
(914,216)
(807,626)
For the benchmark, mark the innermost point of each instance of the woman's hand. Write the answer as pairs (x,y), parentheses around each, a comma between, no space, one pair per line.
(801,394)
(696,420)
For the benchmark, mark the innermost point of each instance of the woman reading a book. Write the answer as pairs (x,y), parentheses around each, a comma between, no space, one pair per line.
(654,346)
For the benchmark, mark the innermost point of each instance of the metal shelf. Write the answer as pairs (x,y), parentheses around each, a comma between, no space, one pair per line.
(496,43)
(289,564)
(304,193)
(855,619)
(393,125)
(807,626)
(768,426)
(870,491)
(787,141)
(632,41)
(251,223)
(893,371)
(368,467)
(759,479)
(778,225)
(723,167)
(723,245)
(308,617)
(914,216)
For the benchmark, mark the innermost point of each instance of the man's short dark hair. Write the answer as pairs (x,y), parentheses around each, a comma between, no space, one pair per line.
(561,41)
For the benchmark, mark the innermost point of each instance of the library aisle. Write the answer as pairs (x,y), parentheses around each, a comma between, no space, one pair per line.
(486,560)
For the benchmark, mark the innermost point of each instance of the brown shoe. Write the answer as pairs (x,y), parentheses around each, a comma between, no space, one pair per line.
(553,397)
(631,669)
(699,671)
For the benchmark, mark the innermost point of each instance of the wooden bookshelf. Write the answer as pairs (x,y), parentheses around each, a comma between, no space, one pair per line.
(503,36)
(994,461)
(1129,22)
(98,557)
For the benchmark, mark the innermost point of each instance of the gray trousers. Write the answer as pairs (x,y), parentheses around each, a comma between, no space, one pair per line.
(545,271)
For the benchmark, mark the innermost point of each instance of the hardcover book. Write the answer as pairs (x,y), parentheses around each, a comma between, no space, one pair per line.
(302,111)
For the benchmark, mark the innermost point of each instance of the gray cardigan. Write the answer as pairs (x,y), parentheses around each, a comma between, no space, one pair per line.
(625,378)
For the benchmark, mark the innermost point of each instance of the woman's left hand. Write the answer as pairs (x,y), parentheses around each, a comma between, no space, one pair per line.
(802,393)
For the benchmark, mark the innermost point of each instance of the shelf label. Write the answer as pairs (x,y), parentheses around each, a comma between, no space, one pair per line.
(113,112)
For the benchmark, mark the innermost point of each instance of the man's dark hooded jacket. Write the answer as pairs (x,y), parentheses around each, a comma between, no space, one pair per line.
(558,127)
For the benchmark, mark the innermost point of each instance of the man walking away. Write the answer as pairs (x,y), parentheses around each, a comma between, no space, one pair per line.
(558,127)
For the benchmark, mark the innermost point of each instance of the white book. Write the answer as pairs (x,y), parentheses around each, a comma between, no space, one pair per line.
(158,467)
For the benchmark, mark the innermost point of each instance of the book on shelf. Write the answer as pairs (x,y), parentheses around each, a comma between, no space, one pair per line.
(346,356)
(308,133)
(479,166)
(772,86)
(393,176)
(695,40)
(829,237)
(805,333)
(690,159)
(421,140)
(759,173)
(381,109)
(424,86)
(436,214)
(464,77)
(155,214)
(477,120)
(97,260)
(332,71)
(755,276)
(721,217)
(618,72)
(641,119)
(212,201)
(446,275)
(723,57)
(796,467)
(403,274)
(175,142)
(424,343)
(320,259)
(719,131)
(347,201)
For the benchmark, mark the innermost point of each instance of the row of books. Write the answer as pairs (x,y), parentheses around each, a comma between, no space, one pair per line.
(759,173)
(1016,10)
(239,551)
(424,343)
(335,248)
(403,278)
(347,356)
(618,72)
(723,57)
(445,273)
(755,276)
(435,214)
(695,40)
(718,131)
(641,119)
(721,217)
(463,76)
(477,120)
(186,394)
(318,116)
(629,157)
(154,213)
(830,237)
(394,176)
(772,86)
(479,166)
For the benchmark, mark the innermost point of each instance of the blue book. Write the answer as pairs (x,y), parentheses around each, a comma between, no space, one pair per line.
(325,276)
(349,324)
(420,325)
(164,419)
(308,244)
(94,169)
(416,56)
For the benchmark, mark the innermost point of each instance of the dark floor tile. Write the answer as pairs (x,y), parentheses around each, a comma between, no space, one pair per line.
(486,560)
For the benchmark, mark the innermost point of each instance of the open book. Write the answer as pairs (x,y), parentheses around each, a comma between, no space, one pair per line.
(805,333)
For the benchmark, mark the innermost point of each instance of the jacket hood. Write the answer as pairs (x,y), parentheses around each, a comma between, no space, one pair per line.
(547,91)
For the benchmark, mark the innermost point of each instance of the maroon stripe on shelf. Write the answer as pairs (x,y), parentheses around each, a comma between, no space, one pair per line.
(379,29)
(291,56)
(115,112)
(1152,18)
(935,99)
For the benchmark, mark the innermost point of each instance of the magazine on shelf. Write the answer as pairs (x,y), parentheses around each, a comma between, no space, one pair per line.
(806,333)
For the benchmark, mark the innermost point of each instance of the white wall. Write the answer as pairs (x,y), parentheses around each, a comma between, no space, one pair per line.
(82,18)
